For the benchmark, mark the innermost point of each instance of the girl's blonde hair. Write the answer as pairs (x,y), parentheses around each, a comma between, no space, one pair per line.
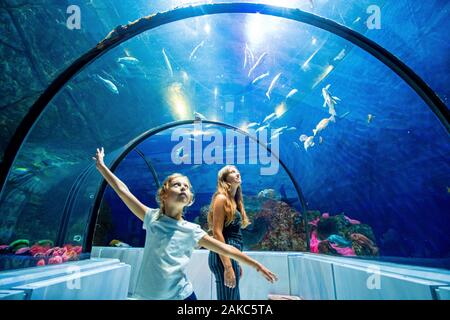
(224,188)
(162,191)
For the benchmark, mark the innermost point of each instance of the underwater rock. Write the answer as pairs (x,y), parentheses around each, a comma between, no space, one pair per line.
(285,230)
(327,227)
(347,251)
(55,260)
(41,262)
(326,248)
(23,251)
(117,243)
(340,236)
(363,246)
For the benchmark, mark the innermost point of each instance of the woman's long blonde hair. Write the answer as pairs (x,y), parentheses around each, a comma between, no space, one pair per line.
(162,191)
(224,188)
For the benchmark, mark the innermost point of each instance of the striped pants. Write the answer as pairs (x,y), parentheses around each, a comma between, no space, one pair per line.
(216,267)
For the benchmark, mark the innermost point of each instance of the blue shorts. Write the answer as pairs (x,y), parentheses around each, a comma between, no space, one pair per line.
(191,297)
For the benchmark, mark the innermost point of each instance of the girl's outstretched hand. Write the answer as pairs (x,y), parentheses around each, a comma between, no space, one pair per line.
(266,273)
(99,155)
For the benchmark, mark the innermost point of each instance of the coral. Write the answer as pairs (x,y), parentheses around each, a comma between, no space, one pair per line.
(284,231)
(340,235)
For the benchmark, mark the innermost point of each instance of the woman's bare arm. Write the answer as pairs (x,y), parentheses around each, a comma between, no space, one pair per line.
(137,207)
(226,250)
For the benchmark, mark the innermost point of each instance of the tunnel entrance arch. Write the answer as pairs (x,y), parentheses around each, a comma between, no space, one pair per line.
(133,144)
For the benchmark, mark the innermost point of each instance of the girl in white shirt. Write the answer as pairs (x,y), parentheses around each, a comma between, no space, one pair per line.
(170,240)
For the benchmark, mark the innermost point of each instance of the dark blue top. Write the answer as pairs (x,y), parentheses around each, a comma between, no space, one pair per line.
(233,230)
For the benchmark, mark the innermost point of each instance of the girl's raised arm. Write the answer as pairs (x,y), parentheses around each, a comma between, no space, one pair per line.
(137,207)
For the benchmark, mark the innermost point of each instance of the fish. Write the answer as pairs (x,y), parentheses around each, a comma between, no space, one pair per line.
(275,135)
(340,55)
(109,84)
(258,62)
(249,58)
(252,124)
(352,221)
(167,61)
(279,130)
(20,170)
(267,193)
(77,238)
(344,115)
(308,142)
(245,57)
(258,78)
(128,60)
(250,54)
(329,100)
(198,116)
(195,49)
(291,93)
(357,19)
(269,117)
(323,124)
(320,140)
(305,65)
(272,85)
(262,128)
(291,129)
(370,118)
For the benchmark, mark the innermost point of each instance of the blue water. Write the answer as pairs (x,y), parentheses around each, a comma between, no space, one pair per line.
(384,162)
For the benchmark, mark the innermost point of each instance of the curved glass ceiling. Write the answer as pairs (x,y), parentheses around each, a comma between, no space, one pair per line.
(383,161)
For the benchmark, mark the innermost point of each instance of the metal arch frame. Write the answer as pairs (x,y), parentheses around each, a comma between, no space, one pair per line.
(132,145)
(149,166)
(125,32)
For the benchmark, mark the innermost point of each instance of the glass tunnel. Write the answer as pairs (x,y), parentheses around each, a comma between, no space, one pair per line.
(335,113)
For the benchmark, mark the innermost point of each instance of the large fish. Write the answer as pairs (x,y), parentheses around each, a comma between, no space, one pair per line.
(128,60)
(329,100)
(258,78)
(291,93)
(109,84)
(272,85)
(195,49)
(168,64)
(258,62)
(308,142)
(323,124)
(269,117)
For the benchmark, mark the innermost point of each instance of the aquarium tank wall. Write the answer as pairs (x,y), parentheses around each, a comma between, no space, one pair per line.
(335,113)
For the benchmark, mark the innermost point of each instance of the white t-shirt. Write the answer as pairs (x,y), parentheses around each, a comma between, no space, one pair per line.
(169,244)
